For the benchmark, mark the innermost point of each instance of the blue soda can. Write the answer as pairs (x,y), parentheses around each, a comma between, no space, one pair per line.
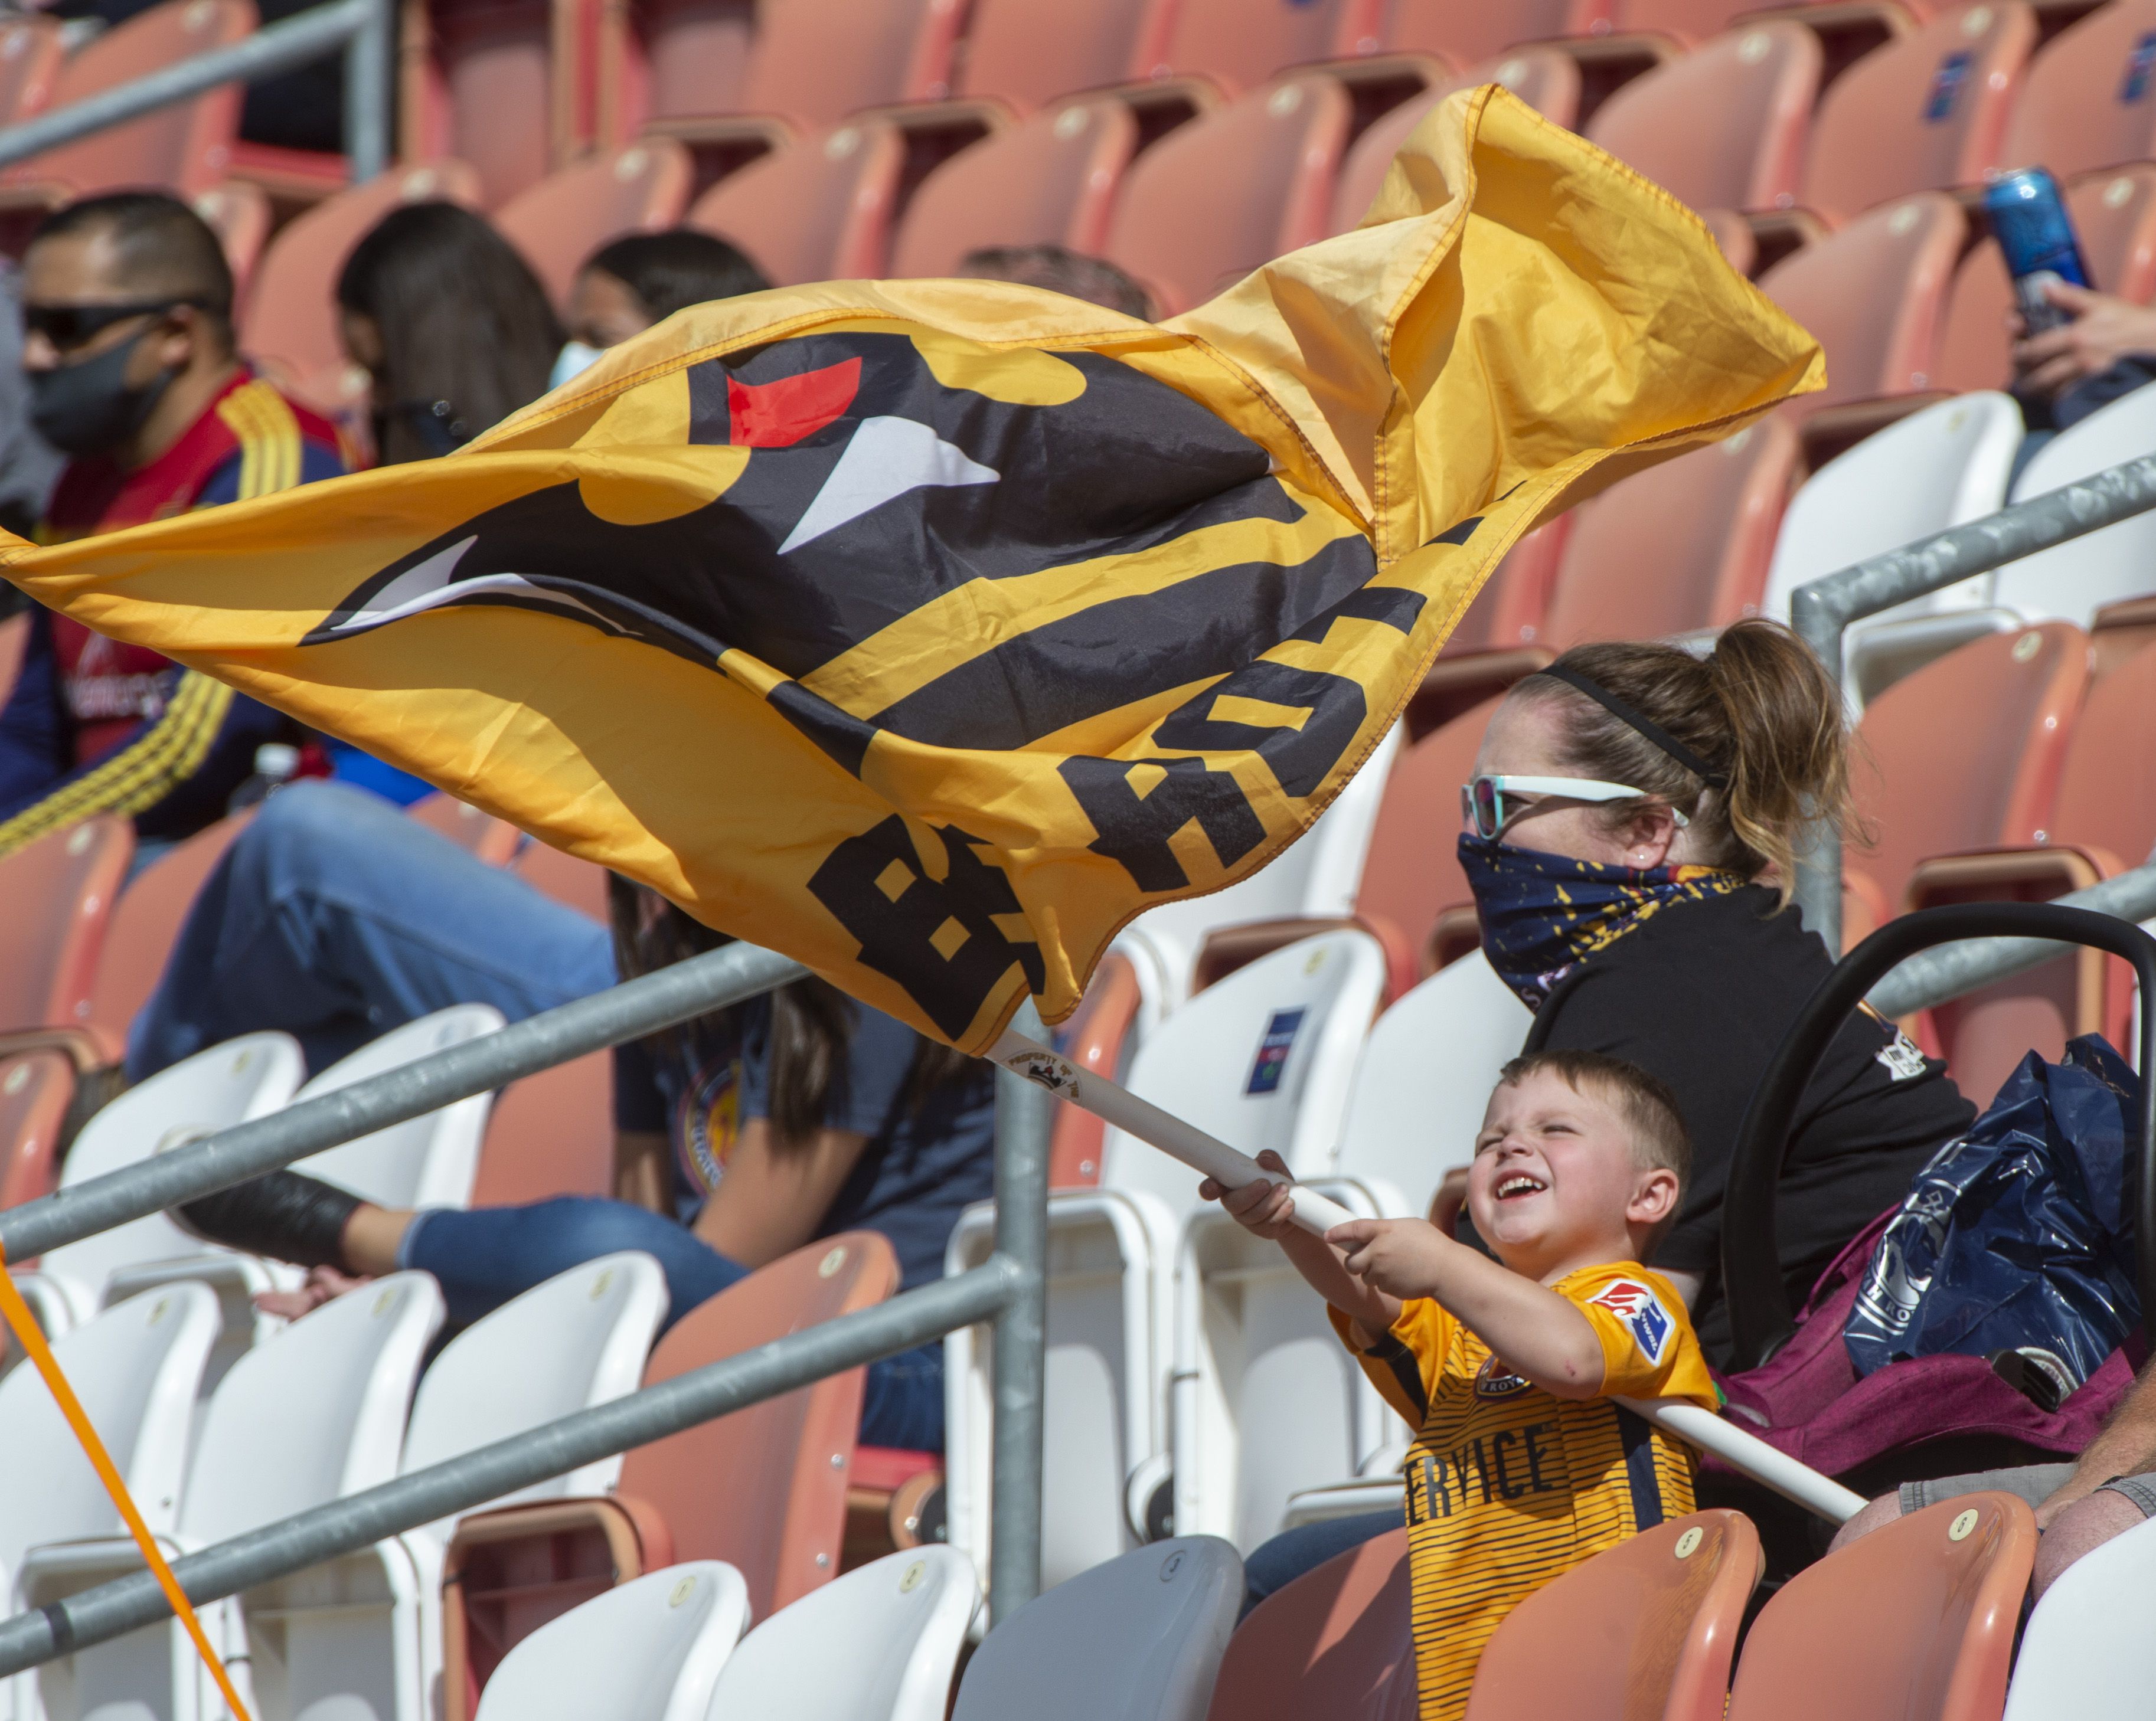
(2035,236)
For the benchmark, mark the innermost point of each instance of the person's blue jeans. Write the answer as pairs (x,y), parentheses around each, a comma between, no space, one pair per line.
(484,1257)
(336,918)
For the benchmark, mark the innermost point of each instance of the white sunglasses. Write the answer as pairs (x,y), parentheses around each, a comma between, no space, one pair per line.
(1483,808)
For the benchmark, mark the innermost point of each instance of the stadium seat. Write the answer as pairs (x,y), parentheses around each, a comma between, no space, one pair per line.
(135,1369)
(1923,113)
(1097,1037)
(548,1135)
(2102,823)
(2087,100)
(480,834)
(490,83)
(184,149)
(1336,1642)
(242,1079)
(1942,466)
(817,209)
(1688,20)
(1240,43)
(313,1414)
(362,1635)
(2075,580)
(560,877)
(779,1520)
(560,221)
(1915,1619)
(31,53)
(36,1088)
(1166,1609)
(2114,217)
(1218,198)
(14,637)
(1681,547)
(1648,1627)
(239,214)
(1506,618)
(901,1621)
(1467,30)
(1262,1060)
(289,316)
(2077,1660)
(651,1651)
(1048,181)
(63,888)
(1724,127)
(1966,753)
(1026,55)
(1873,295)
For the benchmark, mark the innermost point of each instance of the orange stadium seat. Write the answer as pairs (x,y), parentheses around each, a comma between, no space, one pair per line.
(185,148)
(1218,198)
(1923,113)
(1966,753)
(1240,43)
(14,639)
(2102,822)
(1874,294)
(1680,547)
(60,890)
(2114,215)
(1648,1628)
(1336,1642)
(1723,128)
(1026,54)
(1464,30)
(549,1134)
(574,883)
(36,1088)
(239,214)
(2089,99)
(1097,1038)
(778,1521)
(1915,1619)
(1362,170)
(561,221)
(30,56)
(1546,78)
(1688,20)
(289,316)
(1051,179)
(490,82)
(480,834)
(818,209)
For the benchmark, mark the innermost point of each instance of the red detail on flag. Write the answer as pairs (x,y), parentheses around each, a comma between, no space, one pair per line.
(776,415)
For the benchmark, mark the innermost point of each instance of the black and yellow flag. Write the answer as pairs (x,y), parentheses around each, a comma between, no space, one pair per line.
(929,631)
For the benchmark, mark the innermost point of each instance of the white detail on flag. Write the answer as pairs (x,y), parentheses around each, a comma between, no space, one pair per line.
(433,583)
(886,457)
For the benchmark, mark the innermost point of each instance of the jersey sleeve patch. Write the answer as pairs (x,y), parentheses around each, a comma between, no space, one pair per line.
(1643,1313)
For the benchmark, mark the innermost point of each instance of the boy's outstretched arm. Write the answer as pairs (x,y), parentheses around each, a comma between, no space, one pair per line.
(1264,1208)
(1538,1335)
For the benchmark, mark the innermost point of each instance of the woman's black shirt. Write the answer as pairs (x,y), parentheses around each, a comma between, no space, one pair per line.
(1701,995)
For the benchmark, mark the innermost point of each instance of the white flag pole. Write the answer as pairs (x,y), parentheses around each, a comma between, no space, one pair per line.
(1114,1104)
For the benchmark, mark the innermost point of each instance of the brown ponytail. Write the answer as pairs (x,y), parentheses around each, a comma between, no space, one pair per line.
(1760,710)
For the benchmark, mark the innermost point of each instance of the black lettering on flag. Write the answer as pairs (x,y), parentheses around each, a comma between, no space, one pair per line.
(1300,757)
(1466,530)
(1394,605)
(1134,828)
(937,940)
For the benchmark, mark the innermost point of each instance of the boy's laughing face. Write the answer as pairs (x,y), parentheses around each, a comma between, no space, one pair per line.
(1555,1183)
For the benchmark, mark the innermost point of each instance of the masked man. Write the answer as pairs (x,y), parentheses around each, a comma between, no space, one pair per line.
(128,348)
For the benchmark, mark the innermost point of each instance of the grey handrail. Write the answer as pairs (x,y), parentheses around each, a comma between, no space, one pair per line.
(362,29)
(1822,609)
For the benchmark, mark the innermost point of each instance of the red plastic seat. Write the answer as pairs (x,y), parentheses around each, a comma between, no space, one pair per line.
(2088,99)
(1051,180)
(36,1088)
(1921,114)
(2114,214)
(1680,547)
(1240,43)
(775,1512)
(480,834)
(1724,127)
(1874,295)
(30,56)
(1412,879)
(1335,1643)
(239,214)
(549,1134)
(1218,198)
(59,891)
(1647,1628)
(184,149)
(1464,30)
(574,883)
(1363,171)
(567,216)
(1688,20)
(1916,1619)
(14,640)
(490,82)
(818,209)
(1025,54)
(290,310)
(1966,753)
(1096,1038)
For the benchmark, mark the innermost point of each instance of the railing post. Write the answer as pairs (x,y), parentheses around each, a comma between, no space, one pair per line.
(1024,1117)
(367,117)
(1818,621)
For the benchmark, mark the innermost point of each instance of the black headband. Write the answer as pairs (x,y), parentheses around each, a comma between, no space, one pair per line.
(1646,726)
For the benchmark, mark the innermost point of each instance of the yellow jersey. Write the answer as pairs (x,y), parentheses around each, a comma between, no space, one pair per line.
(1509,1486)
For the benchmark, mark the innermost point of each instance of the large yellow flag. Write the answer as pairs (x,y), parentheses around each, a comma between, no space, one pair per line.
(929,631)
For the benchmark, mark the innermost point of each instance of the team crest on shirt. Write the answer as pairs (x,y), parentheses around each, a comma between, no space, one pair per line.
(1494,1379)
(708,1123)
(1642,1313)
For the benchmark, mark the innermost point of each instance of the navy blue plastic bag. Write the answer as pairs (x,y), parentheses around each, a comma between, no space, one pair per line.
(2020,1235)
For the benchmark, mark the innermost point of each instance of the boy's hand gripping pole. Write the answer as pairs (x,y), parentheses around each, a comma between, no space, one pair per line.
(1116,1105)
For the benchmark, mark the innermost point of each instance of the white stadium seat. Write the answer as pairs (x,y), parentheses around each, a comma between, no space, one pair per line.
(2079,1659)
(2075,580)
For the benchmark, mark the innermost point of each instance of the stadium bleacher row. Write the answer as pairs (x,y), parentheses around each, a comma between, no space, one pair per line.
(1836,151)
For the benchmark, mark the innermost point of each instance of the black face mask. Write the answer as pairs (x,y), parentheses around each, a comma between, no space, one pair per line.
(87,407)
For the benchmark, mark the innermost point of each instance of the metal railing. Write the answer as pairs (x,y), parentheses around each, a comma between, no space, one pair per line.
(363,30)
(1822,610)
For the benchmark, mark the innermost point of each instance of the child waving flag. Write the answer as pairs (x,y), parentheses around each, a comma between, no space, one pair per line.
(929,631)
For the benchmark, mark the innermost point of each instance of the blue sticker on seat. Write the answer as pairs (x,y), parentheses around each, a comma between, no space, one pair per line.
(1273,1050)
(1946,86)
(2138,65)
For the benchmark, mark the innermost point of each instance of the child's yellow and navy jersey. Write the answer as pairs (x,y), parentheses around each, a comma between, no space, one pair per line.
(1508,1486)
